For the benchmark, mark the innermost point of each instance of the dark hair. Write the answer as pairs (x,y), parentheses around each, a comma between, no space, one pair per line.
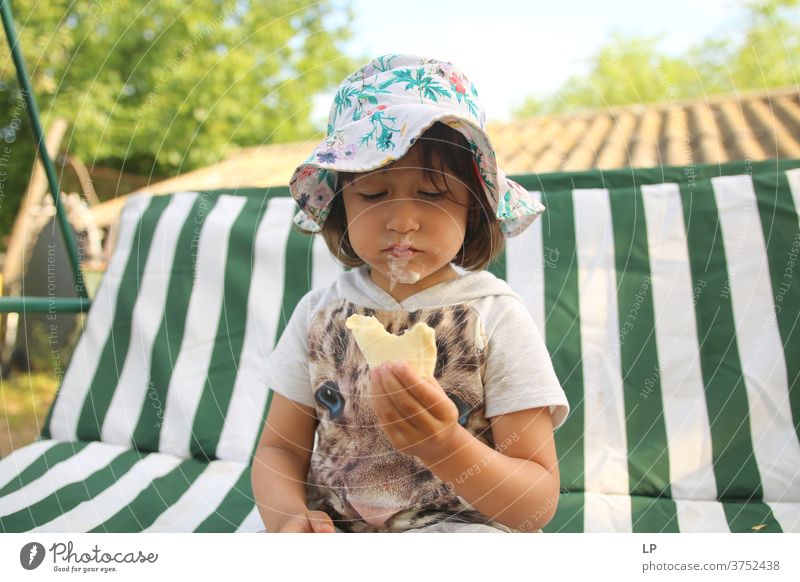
(483,240)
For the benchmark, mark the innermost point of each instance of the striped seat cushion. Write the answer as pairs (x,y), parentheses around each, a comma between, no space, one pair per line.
(52,486)
(665,297)
(585,511)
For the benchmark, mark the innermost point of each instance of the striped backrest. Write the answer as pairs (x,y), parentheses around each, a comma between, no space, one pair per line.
(666,298)
(172,354)
(669,310)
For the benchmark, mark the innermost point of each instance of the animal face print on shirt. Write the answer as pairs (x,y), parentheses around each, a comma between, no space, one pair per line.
(356,475)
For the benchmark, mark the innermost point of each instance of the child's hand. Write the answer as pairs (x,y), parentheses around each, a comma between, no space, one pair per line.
(308,522)
(415,413)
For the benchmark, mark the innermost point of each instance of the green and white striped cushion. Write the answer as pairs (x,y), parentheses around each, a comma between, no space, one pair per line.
(671,327)
(52,486)
(180,369)
(665,297)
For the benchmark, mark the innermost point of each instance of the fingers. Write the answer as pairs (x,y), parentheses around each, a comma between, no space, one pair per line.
(390,397)
(413,396)
(412,412)
(320,522)
(295,526)
(392,404)
(310,522)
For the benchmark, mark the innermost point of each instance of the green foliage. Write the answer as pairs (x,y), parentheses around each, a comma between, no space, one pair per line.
(16,163)
(770,54)
(167,86)
(633,70)
(161,88)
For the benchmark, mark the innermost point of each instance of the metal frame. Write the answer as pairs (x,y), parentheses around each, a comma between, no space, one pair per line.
(43,304)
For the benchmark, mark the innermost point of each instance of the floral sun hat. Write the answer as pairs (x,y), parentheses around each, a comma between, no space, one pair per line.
(377,114)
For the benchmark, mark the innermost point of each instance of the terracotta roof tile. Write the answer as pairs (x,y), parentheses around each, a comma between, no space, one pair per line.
(705,135)
(737,137)
(753,125)
(526,142)
(614,151)
(644,145)
(787,110)
(555,152)
(675,143)
(773,133)
(584,151)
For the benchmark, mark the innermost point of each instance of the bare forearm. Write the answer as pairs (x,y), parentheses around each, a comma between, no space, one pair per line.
(278,480)
(518,493)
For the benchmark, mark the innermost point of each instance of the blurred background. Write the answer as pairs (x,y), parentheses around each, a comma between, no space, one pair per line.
(224,93)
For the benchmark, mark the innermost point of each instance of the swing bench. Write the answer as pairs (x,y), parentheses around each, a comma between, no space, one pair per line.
(665,297)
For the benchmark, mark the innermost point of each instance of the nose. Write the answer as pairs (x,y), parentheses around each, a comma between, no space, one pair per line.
(403,215)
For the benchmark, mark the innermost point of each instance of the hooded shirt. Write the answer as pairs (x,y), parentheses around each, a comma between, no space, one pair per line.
(491,360)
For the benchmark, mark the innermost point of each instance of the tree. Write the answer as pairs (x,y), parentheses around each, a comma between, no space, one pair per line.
(769,56)
(159,88)
(170,86)
(624,70)
(628,70)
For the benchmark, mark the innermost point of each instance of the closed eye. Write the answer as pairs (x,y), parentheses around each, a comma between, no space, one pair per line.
(372,196)
(430,195)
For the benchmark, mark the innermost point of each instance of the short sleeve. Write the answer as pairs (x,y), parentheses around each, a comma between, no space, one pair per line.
(519,373)
(287,366)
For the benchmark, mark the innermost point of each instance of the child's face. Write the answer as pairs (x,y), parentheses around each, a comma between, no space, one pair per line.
(406,211)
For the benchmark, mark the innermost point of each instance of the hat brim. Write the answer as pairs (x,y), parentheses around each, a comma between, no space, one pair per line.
(386,135)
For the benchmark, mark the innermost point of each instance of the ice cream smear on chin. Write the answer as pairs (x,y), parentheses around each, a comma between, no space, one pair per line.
(400,272)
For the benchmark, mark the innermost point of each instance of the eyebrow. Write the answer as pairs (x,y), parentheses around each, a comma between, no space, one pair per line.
(384,170)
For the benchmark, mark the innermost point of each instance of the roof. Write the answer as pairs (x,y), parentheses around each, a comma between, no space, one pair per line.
(739,126)
(755,126)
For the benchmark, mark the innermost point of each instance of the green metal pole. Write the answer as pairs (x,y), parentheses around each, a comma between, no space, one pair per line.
(44,305)
(33,114)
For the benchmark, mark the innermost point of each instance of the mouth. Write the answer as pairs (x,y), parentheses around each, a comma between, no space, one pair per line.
(372,514)
(401,252)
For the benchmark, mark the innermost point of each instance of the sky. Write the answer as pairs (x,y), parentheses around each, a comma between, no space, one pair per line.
(511,49)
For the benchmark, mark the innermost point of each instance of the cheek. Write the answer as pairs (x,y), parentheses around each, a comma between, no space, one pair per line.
(454,220)
(361,227)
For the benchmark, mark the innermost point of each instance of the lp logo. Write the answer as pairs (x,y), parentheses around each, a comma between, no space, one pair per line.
(31,555)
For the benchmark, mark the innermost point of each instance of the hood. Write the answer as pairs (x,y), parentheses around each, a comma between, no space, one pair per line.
(357,286)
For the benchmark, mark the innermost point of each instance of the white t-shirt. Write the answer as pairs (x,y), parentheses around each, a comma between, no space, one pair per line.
(518,375)
(491,360)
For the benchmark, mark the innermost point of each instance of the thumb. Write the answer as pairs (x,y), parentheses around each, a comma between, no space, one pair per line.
(320,521)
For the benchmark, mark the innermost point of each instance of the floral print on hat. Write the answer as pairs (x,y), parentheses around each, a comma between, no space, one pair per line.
(377,114)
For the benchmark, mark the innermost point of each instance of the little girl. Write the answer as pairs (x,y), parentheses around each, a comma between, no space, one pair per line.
(405,190)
